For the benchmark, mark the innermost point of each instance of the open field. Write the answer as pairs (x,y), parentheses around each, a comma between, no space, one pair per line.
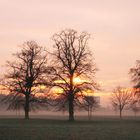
(99,128)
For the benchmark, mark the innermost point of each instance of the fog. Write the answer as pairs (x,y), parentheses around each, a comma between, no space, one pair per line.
(54,114)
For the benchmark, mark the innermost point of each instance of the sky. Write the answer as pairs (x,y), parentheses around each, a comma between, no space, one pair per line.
(114,26)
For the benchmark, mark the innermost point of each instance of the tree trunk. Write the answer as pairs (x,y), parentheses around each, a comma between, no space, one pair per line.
(71,110)
(135,114)
(71,99)
(120,113)
(88,113)
(27,106)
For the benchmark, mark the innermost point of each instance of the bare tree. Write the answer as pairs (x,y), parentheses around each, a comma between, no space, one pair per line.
(135,78)
(121,98)
(135,74)
(25,76)
(135,108)
(71,60)
(91,103)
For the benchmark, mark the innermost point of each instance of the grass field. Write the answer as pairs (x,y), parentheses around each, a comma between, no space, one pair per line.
(46,129)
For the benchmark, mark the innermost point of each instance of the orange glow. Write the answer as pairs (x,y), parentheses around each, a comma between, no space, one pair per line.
(59,81)
(57,90)
(77,80)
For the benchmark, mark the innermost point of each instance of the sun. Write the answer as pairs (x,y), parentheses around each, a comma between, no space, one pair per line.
(77,80)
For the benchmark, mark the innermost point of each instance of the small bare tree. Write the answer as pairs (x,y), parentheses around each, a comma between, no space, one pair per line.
(72,59)
(121,98)
(25,76)
(135,107)
(91,103)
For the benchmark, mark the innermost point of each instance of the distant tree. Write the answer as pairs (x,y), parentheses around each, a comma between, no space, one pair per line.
(25,77)
(121,98)
(91,103)
(135,78)
(135,108)
(71,60)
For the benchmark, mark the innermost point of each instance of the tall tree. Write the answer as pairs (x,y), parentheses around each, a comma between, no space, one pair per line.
(25,76)
(72,60)
(121,98)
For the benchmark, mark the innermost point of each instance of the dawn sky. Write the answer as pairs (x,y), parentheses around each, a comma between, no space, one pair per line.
(114,26)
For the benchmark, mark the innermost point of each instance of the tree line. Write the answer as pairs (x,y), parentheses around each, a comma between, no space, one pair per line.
(39,78)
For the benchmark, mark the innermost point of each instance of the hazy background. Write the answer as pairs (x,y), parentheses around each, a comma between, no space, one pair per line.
(114,26)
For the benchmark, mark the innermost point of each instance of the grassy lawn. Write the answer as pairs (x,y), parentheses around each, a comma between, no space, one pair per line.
(47,129)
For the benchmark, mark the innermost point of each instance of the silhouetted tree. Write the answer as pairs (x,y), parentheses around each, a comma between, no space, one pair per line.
(121,98)
(91,103)
(135,107)
(72,59)
(25,76)
(135,78)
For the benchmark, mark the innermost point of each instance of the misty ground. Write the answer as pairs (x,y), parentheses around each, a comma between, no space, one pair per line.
(58,128)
